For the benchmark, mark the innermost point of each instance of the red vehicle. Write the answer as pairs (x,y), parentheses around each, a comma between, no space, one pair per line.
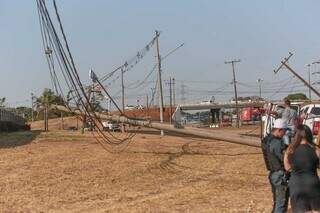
(250,114)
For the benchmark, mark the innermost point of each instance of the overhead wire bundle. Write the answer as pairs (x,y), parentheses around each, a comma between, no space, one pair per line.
(53,47)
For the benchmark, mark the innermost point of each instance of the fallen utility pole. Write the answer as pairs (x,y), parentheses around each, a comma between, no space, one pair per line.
(284,64)
(235,87)
(231,138)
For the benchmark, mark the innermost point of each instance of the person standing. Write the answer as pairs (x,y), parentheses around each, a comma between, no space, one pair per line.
(289,115)
(273,149)
(302,159)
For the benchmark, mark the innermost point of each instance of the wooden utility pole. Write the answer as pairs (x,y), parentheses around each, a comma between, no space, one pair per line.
(173,92)
(170,89)
(159,81)
(147,101)
(235,87)
(84,117)
(62,126)
(260,83)
(309,80)
(32,106)
(45,118)
(284,64)
(122,98)
(122,90)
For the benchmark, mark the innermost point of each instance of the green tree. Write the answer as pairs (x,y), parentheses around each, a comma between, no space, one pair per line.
(297,96)
(2,101)
(47,99)
(25,111)
(96,102)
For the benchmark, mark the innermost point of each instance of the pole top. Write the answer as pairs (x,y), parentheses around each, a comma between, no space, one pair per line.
(283,62)
(233,61)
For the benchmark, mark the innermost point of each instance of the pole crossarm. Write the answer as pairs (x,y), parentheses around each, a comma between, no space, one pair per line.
(284,64)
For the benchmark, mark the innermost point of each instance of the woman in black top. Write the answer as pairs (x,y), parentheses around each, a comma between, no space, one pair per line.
(302,159)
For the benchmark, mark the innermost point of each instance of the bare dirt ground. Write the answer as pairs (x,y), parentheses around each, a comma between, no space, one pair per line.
(62,171)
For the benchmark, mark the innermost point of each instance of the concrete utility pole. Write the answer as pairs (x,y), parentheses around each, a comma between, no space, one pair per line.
(309,66)
(235,87)
(159,81)
(260,83)
(221,135)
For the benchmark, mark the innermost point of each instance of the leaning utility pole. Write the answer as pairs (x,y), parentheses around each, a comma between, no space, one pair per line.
(235,87)
(159,81)
(284,64)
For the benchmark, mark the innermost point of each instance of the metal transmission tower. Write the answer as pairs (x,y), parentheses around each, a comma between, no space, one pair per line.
(170,84)
(183,93)
(235,86)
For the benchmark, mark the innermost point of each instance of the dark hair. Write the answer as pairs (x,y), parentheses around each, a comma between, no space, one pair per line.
(302,132)
(287,101)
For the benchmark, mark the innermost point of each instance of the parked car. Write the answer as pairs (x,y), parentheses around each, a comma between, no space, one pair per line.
(268,119)
(310,116)
(129,107)
(211,101)
(139,106)
(110,125)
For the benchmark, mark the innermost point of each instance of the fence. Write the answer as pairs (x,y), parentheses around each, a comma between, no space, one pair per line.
(9,121)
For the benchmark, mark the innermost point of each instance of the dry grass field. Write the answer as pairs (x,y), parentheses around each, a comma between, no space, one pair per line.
(62,171)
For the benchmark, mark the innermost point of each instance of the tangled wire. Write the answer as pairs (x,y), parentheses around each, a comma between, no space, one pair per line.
(58,52)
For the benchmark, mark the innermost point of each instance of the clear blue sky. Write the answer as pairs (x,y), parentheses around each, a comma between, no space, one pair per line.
(104,33)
